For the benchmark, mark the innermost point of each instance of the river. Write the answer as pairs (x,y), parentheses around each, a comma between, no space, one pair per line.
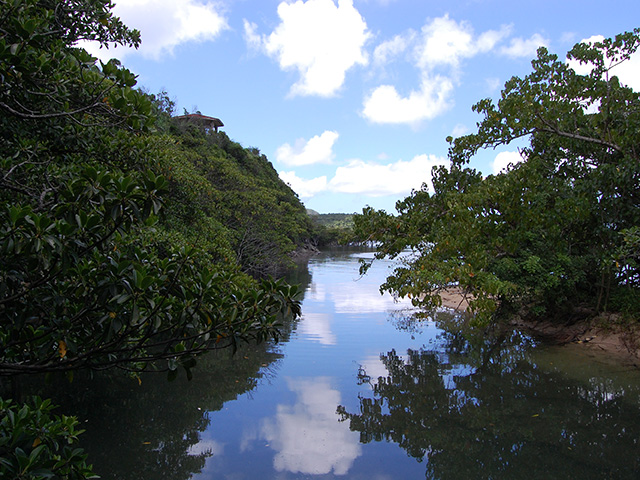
(356,390)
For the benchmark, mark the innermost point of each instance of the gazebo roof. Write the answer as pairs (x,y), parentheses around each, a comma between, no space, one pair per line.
(201,119)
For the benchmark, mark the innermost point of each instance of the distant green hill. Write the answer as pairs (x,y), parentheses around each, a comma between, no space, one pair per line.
(331,228)
(331,220)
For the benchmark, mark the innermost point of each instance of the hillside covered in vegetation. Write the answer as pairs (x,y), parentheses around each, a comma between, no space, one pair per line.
(331,228)
(226,198)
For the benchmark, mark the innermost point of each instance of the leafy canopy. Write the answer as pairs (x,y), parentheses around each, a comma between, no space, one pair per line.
(554,232)
(88,278)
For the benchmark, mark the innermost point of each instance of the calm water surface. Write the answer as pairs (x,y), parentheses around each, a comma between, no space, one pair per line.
(357,391)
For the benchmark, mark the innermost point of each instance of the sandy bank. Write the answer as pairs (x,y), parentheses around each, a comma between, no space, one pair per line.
(599,337)
(602,336)
(453,298)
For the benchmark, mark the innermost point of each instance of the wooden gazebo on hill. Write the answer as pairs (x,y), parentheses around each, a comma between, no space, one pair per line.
(208,123)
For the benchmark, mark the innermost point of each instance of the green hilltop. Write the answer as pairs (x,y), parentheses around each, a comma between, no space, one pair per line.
(227,198)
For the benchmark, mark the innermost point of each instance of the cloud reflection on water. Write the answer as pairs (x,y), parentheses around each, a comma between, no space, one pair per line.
(332,296)
(374,368)
(307,436)
(317,326)
(348,300)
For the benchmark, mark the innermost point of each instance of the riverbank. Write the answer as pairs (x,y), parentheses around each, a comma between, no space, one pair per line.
(603,335)
(453,298)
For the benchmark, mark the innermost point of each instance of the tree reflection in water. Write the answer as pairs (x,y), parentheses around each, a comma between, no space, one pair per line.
(152,430)
(500,417)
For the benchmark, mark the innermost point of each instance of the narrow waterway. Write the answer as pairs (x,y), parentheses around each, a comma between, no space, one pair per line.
(356,390)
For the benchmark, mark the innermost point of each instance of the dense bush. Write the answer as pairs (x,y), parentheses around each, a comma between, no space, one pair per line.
(34,444)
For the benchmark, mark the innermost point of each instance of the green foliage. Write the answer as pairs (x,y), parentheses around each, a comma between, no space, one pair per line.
(337,220)
(105,261)
(231,200)
(34,444)
(45,77)
(331,228)
(89,276)
(555,231)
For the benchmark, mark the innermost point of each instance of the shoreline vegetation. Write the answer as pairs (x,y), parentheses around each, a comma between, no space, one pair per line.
(135,242)
(131,240)
(605,337)
(550,244)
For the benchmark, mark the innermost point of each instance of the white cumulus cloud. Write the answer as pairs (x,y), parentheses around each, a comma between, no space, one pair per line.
(525,47)
(386,105)
(318,149)
(304,188)
(447,42)
(504,159)
(437,53)
(319,39)
(389,50)
(367,178)
(251,35)
(163,25)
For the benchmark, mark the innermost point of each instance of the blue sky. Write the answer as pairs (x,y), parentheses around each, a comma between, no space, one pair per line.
(351,100)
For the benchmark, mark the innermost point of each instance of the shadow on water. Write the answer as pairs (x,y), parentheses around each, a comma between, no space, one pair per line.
(471,410)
